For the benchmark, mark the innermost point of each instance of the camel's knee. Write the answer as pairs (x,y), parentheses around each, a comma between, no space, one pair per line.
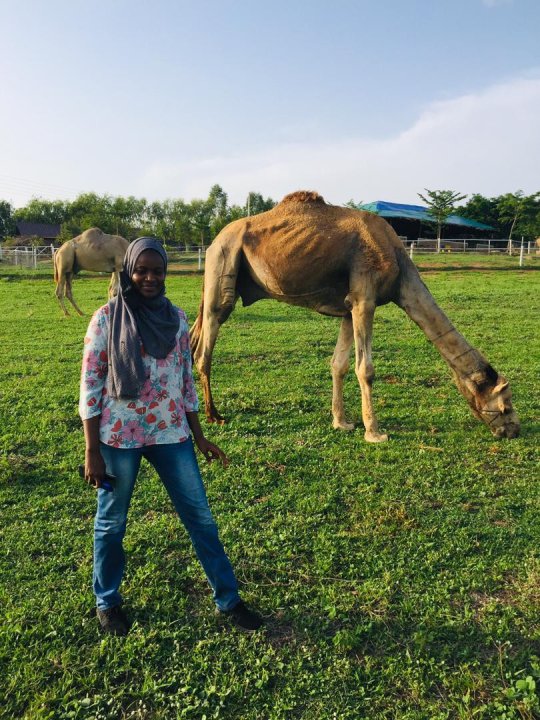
(339,366)
(204,363)
(224,307)
(366,372)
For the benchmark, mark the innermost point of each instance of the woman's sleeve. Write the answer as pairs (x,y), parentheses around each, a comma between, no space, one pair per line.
(94,366)
(189,393)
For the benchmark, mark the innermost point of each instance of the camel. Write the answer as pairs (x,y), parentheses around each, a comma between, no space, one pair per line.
(91,250)
(344,263)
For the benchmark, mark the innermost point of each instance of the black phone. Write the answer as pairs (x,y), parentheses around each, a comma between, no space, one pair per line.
(106,483)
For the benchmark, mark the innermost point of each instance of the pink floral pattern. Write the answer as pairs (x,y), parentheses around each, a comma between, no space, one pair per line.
(158,415)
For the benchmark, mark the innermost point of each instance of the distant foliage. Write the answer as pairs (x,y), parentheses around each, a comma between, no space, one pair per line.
(353,205)
(7,221)
(197,222)
(15,241)
(174,221)
(441,204)
(513,214)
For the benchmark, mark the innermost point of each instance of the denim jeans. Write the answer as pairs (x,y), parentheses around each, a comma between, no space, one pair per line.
(177,467)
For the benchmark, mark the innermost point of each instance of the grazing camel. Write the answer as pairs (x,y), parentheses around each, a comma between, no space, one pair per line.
(339,262)
(91,250)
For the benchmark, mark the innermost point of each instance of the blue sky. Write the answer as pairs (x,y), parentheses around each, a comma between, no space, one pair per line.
(364,100)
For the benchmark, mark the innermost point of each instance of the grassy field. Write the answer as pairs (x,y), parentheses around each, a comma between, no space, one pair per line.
(399,580)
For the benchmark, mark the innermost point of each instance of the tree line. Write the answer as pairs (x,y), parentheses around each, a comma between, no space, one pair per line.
(197,222)
(174,221)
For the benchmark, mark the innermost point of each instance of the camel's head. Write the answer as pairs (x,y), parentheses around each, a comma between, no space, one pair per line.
(490,398)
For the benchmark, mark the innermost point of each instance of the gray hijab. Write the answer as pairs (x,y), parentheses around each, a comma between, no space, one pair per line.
(134,318)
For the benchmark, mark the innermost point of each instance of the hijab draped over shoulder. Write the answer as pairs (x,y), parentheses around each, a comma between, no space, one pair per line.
(134,319)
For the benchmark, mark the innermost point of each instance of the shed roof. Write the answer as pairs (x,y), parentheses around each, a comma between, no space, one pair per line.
(43,230)
(417,212)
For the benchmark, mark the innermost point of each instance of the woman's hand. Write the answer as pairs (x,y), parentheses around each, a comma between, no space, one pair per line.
(94,468)
(211,451)
(208,449)
(94,465)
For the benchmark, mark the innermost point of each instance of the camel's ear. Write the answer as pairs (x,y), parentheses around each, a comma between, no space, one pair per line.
(501,385)
(478,378)
(475,381)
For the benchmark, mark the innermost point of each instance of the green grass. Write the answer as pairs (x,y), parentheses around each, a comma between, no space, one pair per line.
(400,580)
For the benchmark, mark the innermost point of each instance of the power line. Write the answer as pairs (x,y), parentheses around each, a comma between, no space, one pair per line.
(26,184)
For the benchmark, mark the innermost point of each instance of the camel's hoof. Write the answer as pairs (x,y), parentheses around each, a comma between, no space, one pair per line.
(375,437)
(342,425)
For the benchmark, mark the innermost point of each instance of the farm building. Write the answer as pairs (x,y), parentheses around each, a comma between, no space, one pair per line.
(48,232)
(414,221)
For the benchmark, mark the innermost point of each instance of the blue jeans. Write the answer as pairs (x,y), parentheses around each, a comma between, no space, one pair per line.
(177,467)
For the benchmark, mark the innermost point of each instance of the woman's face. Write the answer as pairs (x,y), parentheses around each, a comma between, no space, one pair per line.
(149,274)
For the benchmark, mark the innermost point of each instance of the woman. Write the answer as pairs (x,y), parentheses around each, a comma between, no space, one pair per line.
(138,400)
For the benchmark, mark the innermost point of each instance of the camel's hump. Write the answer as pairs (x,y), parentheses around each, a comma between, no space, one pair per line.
(304,196)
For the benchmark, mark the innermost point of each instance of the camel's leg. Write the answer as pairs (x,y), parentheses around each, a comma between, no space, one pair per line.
(60,293)
(69,293)
(363,311)
(204,365)
(114,284)
(221,271)
(340,366)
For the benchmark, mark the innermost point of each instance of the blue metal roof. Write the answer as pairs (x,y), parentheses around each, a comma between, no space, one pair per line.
(417,212)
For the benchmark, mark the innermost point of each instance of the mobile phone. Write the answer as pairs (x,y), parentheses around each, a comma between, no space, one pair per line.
(106,483)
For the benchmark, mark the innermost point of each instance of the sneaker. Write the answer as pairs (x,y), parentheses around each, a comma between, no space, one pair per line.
(113,621)
(243,617)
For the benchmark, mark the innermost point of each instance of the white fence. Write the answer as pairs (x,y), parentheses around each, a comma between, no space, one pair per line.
(473,245)
(26,256)
(193,257)
(30,256)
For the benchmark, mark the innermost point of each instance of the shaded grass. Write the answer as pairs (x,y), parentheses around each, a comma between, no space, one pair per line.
(399,580)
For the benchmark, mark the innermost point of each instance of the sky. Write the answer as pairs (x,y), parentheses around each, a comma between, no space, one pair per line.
(354,99)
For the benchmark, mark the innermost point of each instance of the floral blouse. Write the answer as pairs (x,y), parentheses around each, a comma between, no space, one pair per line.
(158,415)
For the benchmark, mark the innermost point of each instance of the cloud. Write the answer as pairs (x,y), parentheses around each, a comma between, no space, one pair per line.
(485,142)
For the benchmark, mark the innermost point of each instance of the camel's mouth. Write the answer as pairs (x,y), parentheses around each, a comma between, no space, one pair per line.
(509,430)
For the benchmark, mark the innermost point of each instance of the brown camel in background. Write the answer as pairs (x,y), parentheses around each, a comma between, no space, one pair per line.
(91,250)
(344,263)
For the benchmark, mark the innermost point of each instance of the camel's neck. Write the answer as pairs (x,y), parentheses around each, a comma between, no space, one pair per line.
(462,357)
(421,307)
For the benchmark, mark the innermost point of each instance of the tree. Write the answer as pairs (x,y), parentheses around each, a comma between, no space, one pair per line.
(481,209)
(181,216)
(52,212)
(200,213)
(255,203)
(440,204)
(354,205)
(217,209)
(127,216)
(519,212)
(89,210)
(7,222)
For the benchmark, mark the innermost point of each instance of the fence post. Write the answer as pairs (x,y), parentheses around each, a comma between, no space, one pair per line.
(528,247)
(521,253)
(200,258)
(411,251)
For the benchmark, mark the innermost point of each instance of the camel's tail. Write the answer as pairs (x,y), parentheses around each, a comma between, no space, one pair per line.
(196,329)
